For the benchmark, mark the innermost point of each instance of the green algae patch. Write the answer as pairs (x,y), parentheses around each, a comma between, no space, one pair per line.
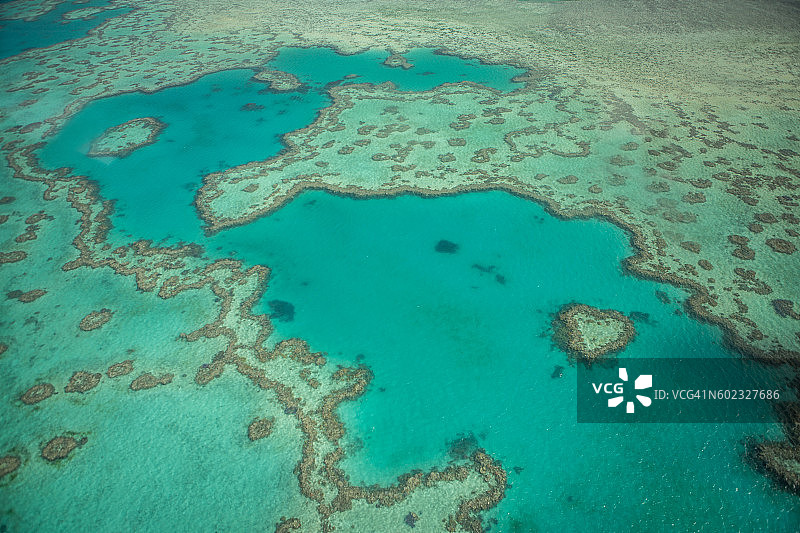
(123,139)
(590,333)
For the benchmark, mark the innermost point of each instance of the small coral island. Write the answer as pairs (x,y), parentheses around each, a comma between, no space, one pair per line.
(397,60)
(590,333)
(279,81)
(121,140)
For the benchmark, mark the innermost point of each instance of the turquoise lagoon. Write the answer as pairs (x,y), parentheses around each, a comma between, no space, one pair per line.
(459,343)
(457,354)
(209,131)
(17,36)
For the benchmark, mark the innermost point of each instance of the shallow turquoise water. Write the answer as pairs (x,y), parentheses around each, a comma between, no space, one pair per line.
(196,141)
(456,353)
(320,66)
(16,36)
(208,130)
(456,350)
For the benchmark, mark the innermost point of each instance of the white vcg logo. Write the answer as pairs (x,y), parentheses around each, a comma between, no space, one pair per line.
(644,381)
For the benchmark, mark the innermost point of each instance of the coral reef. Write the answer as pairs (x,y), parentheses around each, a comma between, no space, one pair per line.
(700,157)
(123,139)
(260,428)
(149,381)
(781,460)
(8,465)
(60,447)
(95,319)
(38,393)
(122,368)
(591,333)
(82,381)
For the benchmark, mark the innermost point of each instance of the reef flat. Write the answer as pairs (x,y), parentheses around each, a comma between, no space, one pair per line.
(121,140)
(677,122)
(298,380)
(278,81)
(666,180)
